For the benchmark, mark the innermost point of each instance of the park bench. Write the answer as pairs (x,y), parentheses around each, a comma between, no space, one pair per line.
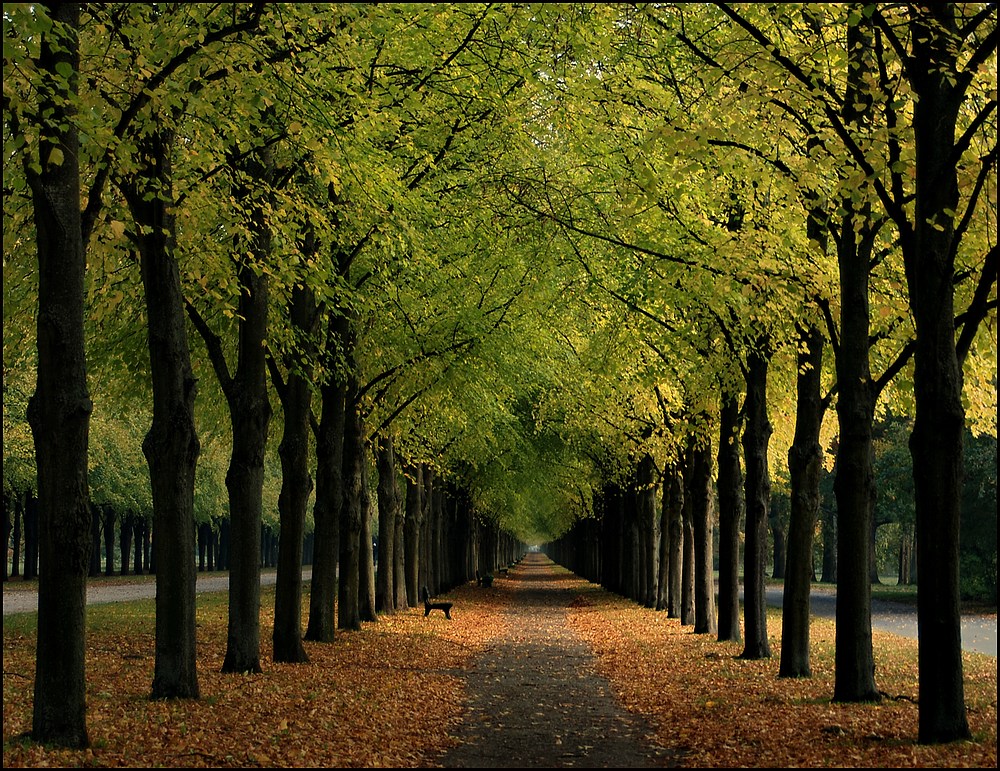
(429,606)
(486,580)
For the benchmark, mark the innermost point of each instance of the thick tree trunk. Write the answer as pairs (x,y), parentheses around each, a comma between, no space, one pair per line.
(59,410)
(412,531)
(805,463)
(688,549)
(854,485)
(705,620)
(329,499)
(648,524)
(388,513)
(399,555)
(936,442)
(428,533)
(366,578)
(663,558)
(354,510)
(250,414)
(296,486)
(171,446)
(674,501)
(631,545)
(730,485)
(758,501)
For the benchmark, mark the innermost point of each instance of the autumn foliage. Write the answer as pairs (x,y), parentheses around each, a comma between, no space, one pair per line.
(392,694)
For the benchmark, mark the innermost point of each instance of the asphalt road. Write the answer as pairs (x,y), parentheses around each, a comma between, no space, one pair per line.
(979,633)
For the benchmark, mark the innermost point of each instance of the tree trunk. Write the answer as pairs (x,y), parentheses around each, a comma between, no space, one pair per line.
(663,563)
(31,536)
(805,463)
(353,513)
(250,416)
(329,494)
(388,513)
(646,509)
(59,410)
(428,532)
(730,485)
(296,486)
(905,556)
(705,621)
(758,501)
(15,557)
(828,517)
(687,521)
(674,490)
(411,531)
(937,442)
(400,601)
(171,445)
(95,537)
(108,513)
(779,546)
(138,553)
(631,546)
(854,485)
(125,542)
(366,578)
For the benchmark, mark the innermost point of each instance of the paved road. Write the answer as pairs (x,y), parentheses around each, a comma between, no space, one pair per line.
(21,600)
(535,699)
(979,633)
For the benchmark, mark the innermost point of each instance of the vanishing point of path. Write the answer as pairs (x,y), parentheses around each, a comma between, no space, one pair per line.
(535,699)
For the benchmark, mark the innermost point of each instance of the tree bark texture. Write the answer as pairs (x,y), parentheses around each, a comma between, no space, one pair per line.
(937,441)
(855,484)
(296,487)
(411,531)
(756,437)
(352,516)
(674,501)
(59,410)
(805,463)
(171,445)
(250,417)
(329,499)
(688,548)
(388,513)
(366,576)
(649,524)
(705,619)
(730,486)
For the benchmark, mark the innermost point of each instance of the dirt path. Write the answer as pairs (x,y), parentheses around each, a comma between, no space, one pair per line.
(535,700)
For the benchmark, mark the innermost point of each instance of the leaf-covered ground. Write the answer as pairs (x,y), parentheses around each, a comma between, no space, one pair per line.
(721,711)
(382,697)
(393,694)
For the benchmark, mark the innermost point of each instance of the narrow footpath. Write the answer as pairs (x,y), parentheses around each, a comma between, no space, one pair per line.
(535,699)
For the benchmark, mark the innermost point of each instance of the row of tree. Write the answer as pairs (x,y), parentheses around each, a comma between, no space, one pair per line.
(518,254)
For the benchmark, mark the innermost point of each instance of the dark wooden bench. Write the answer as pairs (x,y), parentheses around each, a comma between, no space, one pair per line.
(429,606)
(486,580)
